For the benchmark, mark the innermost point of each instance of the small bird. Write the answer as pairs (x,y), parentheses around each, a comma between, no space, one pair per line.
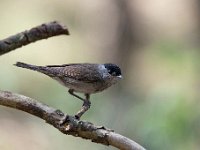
(84,78)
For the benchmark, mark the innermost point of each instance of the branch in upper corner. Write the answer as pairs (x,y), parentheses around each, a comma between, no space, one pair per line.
(43,31)
(67,124)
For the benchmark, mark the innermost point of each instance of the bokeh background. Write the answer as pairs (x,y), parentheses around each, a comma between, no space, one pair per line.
(156,44)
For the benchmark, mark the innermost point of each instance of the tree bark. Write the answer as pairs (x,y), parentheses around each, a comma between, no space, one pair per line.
(67,124)
(43,31)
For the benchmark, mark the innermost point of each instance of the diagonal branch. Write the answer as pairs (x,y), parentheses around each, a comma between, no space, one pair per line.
(43,31)
(67,124)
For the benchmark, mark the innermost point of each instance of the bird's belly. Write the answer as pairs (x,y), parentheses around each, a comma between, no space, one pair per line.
(84,87)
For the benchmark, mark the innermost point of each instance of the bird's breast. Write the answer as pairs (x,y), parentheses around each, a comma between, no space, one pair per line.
(84,87)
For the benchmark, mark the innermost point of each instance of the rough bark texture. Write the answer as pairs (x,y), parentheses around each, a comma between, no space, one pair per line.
(67,124)
(63,122)
(43,31)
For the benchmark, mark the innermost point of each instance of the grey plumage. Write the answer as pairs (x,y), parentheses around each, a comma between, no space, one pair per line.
(84,78)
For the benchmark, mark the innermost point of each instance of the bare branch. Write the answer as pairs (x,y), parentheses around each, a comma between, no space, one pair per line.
(67,124)
(43,31)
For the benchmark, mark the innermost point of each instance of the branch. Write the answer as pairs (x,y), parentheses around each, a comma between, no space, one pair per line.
(67,124)
(43,31)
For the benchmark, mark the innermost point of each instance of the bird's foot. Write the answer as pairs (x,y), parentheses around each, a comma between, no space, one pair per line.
(86,105)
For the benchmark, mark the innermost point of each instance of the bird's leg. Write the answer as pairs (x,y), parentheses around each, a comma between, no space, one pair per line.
(85,106)
(71,91)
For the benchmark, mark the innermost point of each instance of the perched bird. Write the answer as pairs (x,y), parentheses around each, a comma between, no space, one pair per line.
(83,78)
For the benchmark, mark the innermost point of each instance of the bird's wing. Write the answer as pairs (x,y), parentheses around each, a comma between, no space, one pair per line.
(83,72)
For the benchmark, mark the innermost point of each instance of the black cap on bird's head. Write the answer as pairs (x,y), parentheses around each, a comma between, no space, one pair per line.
(113,69)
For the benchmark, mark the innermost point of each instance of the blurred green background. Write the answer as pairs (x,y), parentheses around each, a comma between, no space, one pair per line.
(156,44)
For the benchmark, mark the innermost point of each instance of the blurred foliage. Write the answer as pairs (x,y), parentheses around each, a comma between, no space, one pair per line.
(156,104)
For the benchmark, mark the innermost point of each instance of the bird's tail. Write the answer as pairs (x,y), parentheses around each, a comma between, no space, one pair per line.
(27,66)
(41,69)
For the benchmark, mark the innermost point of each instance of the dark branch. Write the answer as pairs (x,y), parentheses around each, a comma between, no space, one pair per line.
(67,124)
(43,31)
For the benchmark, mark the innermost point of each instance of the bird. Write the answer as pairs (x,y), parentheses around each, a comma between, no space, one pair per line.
(86,78)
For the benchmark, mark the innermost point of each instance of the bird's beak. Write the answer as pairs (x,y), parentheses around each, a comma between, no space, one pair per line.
(120,76)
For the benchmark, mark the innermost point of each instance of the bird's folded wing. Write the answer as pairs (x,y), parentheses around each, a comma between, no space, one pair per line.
(82,72)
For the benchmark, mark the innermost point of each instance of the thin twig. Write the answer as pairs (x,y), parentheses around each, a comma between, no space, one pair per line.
(43,31)
(67,124)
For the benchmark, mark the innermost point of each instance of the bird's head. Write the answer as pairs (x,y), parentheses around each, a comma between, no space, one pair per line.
(114,70)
